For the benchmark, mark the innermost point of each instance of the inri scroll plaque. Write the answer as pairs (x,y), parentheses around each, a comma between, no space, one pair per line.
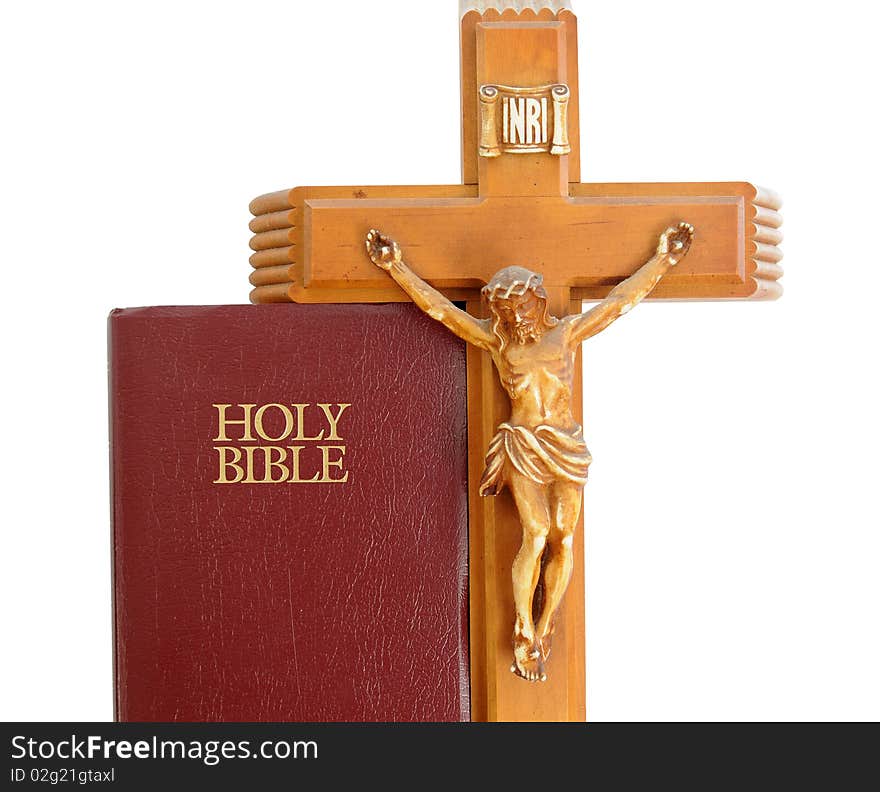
(523,120)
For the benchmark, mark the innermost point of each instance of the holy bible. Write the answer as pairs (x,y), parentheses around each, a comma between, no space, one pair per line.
(289,496)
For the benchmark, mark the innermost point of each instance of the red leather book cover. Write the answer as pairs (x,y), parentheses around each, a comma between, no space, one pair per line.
(289,514)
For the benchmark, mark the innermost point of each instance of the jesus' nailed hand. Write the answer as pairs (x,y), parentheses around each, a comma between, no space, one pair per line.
(539,453)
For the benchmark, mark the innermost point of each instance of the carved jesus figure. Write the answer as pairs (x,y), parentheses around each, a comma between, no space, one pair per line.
(539,453)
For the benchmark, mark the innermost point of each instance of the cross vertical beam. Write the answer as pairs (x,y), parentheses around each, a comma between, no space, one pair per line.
(529,54)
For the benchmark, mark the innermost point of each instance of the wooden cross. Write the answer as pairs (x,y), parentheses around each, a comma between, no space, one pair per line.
(521,202)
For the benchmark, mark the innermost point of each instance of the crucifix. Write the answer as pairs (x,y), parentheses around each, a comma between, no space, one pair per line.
(521,202)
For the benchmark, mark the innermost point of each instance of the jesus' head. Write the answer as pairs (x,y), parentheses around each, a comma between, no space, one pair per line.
(518,301)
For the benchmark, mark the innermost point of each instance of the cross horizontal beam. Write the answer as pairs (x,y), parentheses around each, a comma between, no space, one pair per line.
(309,241)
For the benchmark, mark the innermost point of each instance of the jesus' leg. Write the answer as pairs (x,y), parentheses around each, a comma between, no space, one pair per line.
(565,503)
(533,506)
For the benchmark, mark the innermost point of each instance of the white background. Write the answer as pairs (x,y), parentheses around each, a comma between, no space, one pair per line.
(731,514)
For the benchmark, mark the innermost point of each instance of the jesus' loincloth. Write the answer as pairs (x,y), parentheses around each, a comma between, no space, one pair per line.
(544,455)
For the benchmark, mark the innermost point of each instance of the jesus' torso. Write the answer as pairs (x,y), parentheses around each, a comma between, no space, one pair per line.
(538,378)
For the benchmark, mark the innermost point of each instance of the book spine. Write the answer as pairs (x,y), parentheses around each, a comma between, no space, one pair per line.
(115,516)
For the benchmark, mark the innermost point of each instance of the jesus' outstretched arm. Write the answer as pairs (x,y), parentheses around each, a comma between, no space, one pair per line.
(674,245)
(385,253)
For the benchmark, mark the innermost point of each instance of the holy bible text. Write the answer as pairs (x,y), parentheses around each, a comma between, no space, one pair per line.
(274,445)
